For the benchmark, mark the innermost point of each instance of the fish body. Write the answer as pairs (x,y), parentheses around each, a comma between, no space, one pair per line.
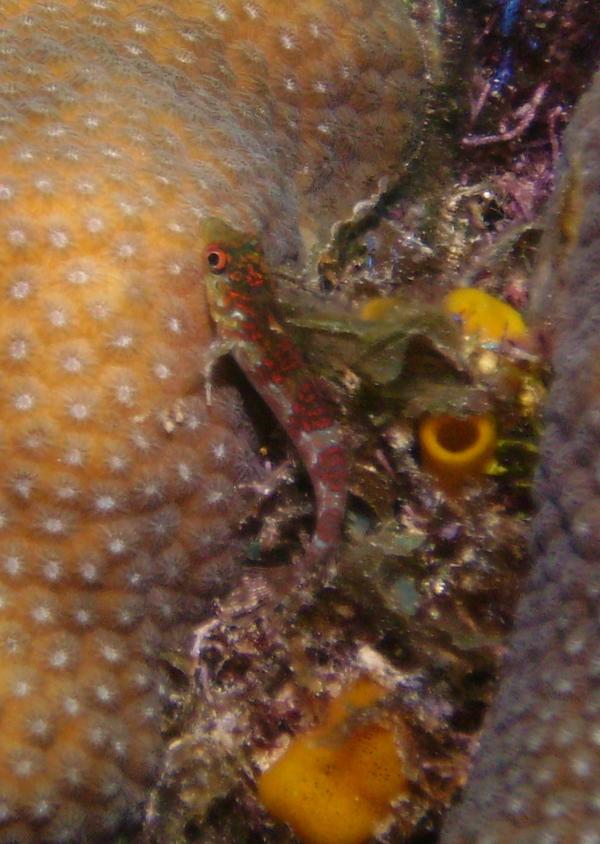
(124,126)
(242,303)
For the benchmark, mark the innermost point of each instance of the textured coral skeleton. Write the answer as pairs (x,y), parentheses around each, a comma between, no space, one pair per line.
(122,128)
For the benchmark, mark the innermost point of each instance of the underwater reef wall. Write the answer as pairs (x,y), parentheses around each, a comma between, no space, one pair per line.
(535,777)
(122,127)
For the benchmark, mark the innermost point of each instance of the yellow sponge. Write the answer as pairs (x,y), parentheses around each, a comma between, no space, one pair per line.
(335,783)
(455,448)
(485,315)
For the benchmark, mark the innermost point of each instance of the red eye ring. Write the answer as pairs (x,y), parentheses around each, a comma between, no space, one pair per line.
(217,258)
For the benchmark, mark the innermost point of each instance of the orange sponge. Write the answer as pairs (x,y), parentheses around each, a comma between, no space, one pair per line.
(334,784)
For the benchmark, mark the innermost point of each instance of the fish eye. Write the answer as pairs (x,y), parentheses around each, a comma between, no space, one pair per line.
(216,258)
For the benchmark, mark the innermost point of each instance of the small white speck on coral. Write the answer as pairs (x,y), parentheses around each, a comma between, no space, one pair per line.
(174,325)
(105,694)
(133,49)
(75,457)
(7,192)
(85,187)
(252,10)
(89,571)
(35,438)
(58,317)
(59,238)
(287,41)
(83,617)
(16,237)
(99,310)
(79,276)
(135,579)
(25,155)
(125,394)
(149,712)
(111,654)
(44,184)
(56,130)
(140,27)
(59,658)
(128,209)
(97,735)
(219,451)
(71,154)
(141,442)
(13,640)
(52,570)
(41,809)
(80,411)
(105,503)
(111,153)
(95,225)
(72,364)
(126,250)
(116,545)
(71,706)
(22,688)
(24,402)
(24,762)
(215,497)
(39,728)
(22,484)
(91,121)
(174,268)
(162,371)
(42,614)
(140,678)
(122,340)
(118,463)
(18,348)
(120,748)
(20,289)
(184,57)
(54,525)
(13,565)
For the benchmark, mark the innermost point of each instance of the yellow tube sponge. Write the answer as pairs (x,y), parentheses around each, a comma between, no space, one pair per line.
(455,449)
(335,783)
(485,315)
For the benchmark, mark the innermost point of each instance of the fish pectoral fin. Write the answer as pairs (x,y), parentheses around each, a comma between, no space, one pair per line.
(218,349)
(275,325)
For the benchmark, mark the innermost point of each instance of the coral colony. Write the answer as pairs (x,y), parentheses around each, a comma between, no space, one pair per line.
(269,415)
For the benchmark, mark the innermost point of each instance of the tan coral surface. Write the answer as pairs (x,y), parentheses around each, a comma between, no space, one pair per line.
(121,127)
